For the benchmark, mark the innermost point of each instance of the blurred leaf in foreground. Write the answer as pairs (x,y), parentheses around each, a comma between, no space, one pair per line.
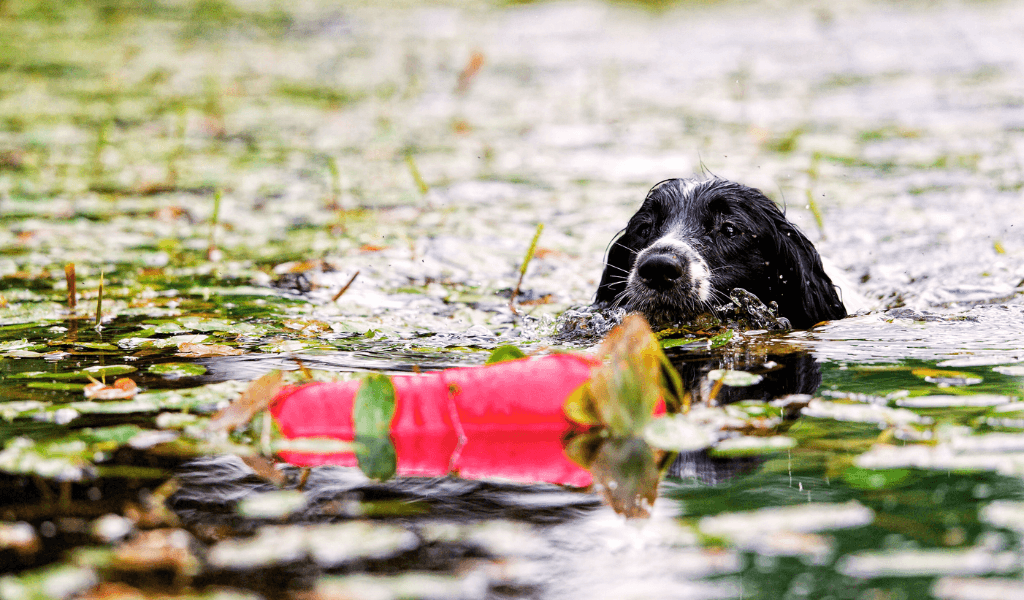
(623,393)
(257,397)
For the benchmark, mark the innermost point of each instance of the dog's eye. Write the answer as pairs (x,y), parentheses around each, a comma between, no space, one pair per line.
(643,228)
(729,230)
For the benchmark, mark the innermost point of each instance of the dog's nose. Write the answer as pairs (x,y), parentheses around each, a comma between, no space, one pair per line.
(660,271)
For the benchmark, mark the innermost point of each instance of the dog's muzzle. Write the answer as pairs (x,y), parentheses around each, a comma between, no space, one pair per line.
(673,269)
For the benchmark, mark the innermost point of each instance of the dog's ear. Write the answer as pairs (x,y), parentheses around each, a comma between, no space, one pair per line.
(617,265)
(809,296)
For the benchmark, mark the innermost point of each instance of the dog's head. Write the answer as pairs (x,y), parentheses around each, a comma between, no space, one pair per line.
(693,241)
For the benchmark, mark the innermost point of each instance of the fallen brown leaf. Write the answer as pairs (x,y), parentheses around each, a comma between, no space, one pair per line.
(157,549)
(265,470)
(469,72)
(190,350)
(109,590)
(257,397)
(122,389)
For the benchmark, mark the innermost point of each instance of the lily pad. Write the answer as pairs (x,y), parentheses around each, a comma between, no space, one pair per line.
(862,413)
(95,345)
(177,369)
(801,518)
(734,378)
(877,479)
(921,563)
(681,341)
(407,586)
(20,408)
(752,446)
(327,545)
(951,401)
(947,378)
(285,346)
(1005,514)
(977,588)
(939,458)
(83,375)
(56,386)
(678,434)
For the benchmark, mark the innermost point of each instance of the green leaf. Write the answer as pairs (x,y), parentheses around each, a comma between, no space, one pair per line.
(83,375)
(95,345)
(372,411)
(504,353)
(56,386)
(877,479)
(177,369)
(377,458)
(722,339)
(676,342)
(374,407)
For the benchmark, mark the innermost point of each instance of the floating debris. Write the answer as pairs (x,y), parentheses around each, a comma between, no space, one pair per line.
(977,588)
(943,401)
(941,457)
(734,378)
(123,388)
(169,549)
(111,527)
(947,378)
(277,504)
(58,582)
(863,413)
(748,445)
(919,563)
(192,350)
(20,537)
(745,526)
(327,545)
(493,538)
(679,433)
(408,586)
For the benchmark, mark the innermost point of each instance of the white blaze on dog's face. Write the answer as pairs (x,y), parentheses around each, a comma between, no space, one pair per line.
(669,271)
(695,240)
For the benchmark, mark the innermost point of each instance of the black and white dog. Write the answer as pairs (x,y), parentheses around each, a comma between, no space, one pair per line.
(694,241)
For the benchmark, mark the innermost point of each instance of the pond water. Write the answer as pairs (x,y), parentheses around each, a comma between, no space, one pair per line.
(218,172)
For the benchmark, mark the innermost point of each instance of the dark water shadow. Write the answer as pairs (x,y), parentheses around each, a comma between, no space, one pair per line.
(784,373)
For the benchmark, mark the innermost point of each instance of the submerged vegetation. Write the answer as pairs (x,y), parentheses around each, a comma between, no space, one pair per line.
(204,202)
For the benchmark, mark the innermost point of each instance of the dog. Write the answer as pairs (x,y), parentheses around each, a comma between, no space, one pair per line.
(694,241)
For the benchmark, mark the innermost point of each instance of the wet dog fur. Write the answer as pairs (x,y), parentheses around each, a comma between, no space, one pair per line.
(695,240)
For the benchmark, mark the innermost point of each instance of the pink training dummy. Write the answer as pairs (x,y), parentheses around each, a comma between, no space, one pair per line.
(495,421)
